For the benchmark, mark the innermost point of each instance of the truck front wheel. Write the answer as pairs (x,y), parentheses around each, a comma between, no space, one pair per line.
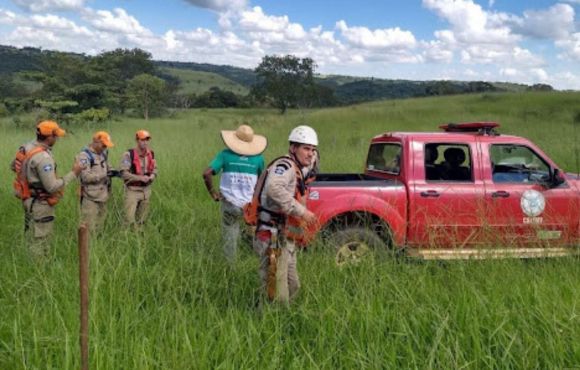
(353,243)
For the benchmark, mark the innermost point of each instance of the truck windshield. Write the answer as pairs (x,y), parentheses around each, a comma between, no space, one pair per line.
(385,157)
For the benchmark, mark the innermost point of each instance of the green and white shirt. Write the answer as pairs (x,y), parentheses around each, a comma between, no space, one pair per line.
(240,174)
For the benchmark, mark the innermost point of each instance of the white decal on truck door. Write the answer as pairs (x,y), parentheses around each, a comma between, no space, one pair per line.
(533,203)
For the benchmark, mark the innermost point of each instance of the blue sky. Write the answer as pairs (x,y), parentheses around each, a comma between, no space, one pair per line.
(492,40)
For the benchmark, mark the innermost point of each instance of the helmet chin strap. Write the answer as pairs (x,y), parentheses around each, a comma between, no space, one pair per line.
(295,158)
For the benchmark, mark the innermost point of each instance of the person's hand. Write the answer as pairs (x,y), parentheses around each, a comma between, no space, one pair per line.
(145,179)
(216,195)
(309,217)
(77,168)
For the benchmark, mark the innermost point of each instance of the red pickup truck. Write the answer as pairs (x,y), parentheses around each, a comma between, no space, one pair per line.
(465,192)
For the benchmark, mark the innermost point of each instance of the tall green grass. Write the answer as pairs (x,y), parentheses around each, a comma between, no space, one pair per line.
(166,299)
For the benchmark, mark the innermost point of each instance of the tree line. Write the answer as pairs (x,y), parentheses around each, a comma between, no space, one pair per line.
(75,87)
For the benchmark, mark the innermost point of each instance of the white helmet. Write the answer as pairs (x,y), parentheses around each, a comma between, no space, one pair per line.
(304,135)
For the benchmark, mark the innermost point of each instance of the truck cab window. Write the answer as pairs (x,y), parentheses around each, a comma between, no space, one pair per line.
(447,162)
(517,163)
(385,157)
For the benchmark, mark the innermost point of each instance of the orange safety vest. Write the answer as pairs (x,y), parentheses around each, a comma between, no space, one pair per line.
(292,227)
(20,184)
(136,167)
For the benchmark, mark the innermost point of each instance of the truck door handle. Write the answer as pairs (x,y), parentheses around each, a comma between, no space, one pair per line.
(430,193)
(500,194)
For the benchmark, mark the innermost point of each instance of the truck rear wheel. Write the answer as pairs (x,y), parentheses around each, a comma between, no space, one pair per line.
(352,244)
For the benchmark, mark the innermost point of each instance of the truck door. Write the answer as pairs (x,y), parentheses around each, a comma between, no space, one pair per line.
(447,198)
(522,209)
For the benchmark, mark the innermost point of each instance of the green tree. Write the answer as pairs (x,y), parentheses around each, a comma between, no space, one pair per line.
(146,94)
(287,80)
(115,69)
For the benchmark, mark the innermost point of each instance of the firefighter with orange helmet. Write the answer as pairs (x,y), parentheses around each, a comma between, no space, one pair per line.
(38,186)
(283,215)
(138,170)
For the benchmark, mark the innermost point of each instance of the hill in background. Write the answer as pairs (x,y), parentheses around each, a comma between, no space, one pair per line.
(197,78)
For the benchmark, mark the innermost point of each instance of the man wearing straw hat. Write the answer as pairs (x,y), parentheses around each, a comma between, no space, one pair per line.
(95,180)
(241,163)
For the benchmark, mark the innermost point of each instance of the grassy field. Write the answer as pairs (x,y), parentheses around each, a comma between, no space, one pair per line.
(198,82)
(165,299)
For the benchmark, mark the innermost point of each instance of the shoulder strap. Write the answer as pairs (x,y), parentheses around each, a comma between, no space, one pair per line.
(262,179)
(34,151)
(90,155)
(28,155)
(132,158)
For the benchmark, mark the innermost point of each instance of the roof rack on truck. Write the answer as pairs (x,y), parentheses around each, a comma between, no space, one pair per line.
(483,128)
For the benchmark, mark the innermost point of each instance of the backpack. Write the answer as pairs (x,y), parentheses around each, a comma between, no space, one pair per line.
(20,184)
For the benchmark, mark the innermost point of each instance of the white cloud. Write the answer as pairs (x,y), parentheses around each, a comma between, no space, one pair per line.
(477,43)
(470,73)
(482,37)
(509,72)
(254,20)
(485,54)
(219,5)
(539,74)
(471,24)
(7,17)
(556,22)
(365,38)
(437,52)
(117,21)
(38,6)
(527,76)
(571,47)
(171,40)
(53,22)
(565,80)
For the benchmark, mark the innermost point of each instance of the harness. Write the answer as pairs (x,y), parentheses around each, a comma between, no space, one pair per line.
(89,153)
(22,188)
(136,167)
(290,226)
(104,158)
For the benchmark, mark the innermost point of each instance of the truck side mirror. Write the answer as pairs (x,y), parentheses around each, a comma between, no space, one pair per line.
(556,179)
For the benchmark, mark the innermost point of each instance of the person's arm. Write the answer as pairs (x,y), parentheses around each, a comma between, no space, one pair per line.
(216,165)
(125,168)
(154,175)
(88,176)
(46,173)
(208,180)
(279,188)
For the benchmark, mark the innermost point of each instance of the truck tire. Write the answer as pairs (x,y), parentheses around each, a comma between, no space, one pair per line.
(352,244)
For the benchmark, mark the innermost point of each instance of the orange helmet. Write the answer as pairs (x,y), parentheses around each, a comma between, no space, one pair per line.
(142,135)
(49,128)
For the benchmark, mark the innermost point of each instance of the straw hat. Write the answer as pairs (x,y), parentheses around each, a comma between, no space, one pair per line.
(244,142)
